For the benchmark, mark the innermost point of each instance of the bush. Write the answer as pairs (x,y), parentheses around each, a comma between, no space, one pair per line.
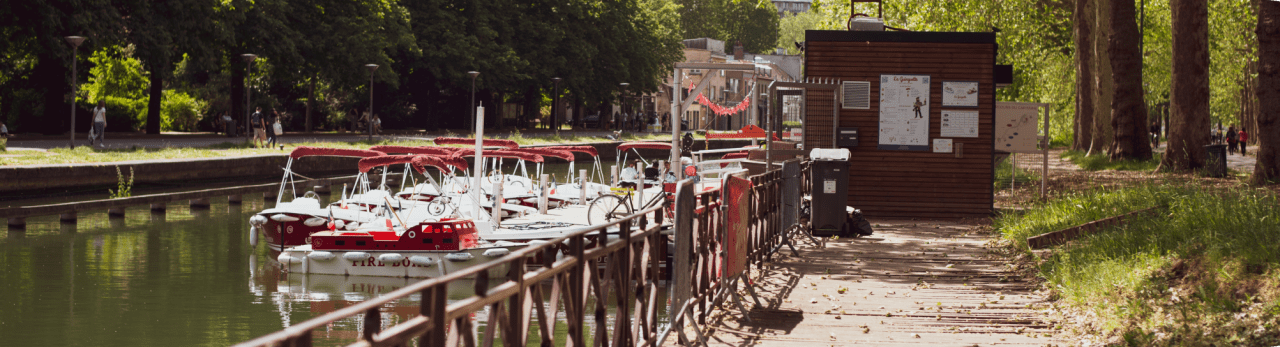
(791,124)
(180,111)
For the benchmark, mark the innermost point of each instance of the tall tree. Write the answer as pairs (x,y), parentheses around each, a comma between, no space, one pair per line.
(1267,169)
(1189,97)
(1084,75)
(163,31)
(1128,106)
(754,23)
(1103,87)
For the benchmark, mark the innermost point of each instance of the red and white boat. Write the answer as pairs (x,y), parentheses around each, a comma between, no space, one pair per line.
(427,249)
(290,222)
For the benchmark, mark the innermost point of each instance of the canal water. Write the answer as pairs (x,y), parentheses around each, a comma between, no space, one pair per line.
(187,277)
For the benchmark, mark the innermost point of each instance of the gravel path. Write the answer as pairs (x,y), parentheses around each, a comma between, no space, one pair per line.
(912,283)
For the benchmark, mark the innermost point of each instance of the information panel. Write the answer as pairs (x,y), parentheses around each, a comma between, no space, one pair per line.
(1016,127)
(959,94)
(959,123)
(904,112)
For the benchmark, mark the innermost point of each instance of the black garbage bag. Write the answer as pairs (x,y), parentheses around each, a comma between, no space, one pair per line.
(856,224)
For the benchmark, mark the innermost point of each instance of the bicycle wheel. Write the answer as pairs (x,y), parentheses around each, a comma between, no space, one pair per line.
(607,208)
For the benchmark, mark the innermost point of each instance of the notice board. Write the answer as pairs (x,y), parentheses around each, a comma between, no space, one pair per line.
(904,112)
(1016,127)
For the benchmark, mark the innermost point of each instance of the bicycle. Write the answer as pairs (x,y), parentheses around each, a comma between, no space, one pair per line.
(611,207)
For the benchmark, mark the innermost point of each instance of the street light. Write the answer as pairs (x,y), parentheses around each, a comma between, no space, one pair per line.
(369,121)
(472,106)
(75,42)
(555,105)
(248,71)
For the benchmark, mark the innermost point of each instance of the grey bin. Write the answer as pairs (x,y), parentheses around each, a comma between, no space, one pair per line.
(1215,164)
(830,170)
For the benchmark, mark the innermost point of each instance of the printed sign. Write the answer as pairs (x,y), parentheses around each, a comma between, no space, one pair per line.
(960,94)
(959,123)
(942,145)
(1016,127)
(904,112)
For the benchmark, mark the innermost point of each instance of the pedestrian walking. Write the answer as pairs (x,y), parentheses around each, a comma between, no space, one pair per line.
(1231,139)
(377,125)
(1244,141)
(1155,134)
(273,123)
(228,125)
(259,126)
(99,124)
(4,130)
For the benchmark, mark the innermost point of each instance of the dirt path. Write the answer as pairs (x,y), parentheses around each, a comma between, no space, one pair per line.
(913,283)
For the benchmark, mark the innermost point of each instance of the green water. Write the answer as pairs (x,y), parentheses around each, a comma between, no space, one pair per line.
(182,278)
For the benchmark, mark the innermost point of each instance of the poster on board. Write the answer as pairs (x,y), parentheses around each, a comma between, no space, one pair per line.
(904,113)
(959,94)
(957,123)
(1017,128)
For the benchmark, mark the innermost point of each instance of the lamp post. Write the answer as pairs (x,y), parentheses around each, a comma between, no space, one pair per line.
(75,42)
(248,70)
(555,105)
(472,106)
(624,103)
(369,122)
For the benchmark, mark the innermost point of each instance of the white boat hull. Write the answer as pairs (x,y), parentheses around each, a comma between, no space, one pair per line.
(414,264)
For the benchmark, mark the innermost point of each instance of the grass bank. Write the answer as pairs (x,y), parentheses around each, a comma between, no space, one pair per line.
(87,154)
(1098,162)
(1203,271)
(1007,176)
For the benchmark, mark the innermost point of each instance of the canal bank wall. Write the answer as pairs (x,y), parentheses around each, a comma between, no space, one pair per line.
(43,179)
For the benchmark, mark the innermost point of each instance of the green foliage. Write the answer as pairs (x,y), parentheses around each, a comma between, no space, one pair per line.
(4,144)
(1098,162)
(792,124)
(791,29)
(116,73)
(1006,175)
(124,188)
(1184,276)
(754,23)
(180,112)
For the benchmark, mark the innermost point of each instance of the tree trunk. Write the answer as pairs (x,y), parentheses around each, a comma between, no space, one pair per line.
(311,100)
(238,113)
(1084,76)
(1128,106)
(1103,88)
(155,94)
(1189,89)
(1267,169)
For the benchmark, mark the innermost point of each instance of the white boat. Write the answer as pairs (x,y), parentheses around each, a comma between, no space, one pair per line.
(428,249)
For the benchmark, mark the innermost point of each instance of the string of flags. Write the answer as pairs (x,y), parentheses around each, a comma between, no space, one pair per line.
(721,110)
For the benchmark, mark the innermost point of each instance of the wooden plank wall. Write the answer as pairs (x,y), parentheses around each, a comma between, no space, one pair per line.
(910,184)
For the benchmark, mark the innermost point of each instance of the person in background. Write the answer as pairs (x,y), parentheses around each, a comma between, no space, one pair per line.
(228,125)
(377,125)
(273,140)
(259,126)
(669,176)
(99,123)
(1231,139)
(4,130)
(627,178)
(651,173)
(1155,134)
(1244,141)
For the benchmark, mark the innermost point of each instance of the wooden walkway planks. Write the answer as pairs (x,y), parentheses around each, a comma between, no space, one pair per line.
(895,281)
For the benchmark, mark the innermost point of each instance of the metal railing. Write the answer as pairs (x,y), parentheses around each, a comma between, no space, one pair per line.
(622,273)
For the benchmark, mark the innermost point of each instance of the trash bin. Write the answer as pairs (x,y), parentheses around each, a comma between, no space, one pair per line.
(830,170)
(1215,164)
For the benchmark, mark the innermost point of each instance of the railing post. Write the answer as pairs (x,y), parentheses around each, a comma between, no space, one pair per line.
(574,306)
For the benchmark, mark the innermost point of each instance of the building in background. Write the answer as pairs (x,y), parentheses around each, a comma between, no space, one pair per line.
(727,88)
(792,6)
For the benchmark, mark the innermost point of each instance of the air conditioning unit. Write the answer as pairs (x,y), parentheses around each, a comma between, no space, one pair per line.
(855,95)
(695,72)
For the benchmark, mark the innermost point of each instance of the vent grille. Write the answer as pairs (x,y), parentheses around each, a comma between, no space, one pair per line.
(856,95)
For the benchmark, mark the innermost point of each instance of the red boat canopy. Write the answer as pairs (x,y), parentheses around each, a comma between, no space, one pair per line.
(580,149)
(372,162)
(419,161)
(432,150)
(562,154)
(736,155)
(308,151)
(487,142)
(502,154)
(650,145)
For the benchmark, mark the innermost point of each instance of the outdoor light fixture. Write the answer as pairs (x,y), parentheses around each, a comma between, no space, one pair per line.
(473,75)
(75,42)
(369,121)
(248,71)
